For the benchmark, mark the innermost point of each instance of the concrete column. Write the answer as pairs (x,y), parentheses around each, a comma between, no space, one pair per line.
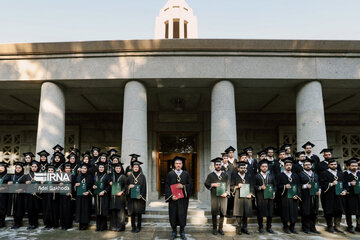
(181,28)
(310,117)
(134,130)
(171,28)
(51,123)
(223,118)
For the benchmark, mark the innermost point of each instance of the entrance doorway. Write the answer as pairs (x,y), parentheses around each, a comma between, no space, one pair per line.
(177,144)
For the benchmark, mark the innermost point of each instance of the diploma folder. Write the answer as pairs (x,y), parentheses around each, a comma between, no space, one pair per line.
(314,188)
(177,192)
(135,192)
(244,191)
(269,192)
(80,190)
(339,188)
(291,192)
(115,188)
(221,189)
(100,187)
(357,187)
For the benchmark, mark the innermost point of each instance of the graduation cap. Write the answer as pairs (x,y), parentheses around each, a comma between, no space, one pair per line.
(60,154)
(115,156)
(216,160)
(28,154)
(4,164)
(297,154)
(308,143)
(112,151)
(264,161)
(351,160)
(118,164)
(57,146)
(137,163)
(325,150)
(230,149)
(19,163)
(71,155)
(224,154)
(248,149)
(101,164)
(239,164)
(331,160)
(283,147)
(86,154)
(310,160)
(103,154)
(35,162)
(178,158)
(262,152)
(242,154)
(281,151)
(75,150)
(43,153)
(49,166)
(67,165)
(134,155)
(270,148)
(93,148)
(84,165)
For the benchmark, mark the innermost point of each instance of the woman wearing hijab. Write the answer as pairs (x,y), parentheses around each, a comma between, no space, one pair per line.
(51,205)
(83,186)
(28,158)
(17,199)
(118,198)
(74,163)
(101,194)
(66,201)
(4,197)
(33,199)
(43,160)
(137,195)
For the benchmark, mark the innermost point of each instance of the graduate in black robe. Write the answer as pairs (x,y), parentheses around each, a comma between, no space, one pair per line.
(252,166)
(95,151)
(178,208)
(136,206)
(242,205)
(57,149)
(218,203)
(43,160)
(83,202)
(352,199)
(332,203)
(58,161)
(17,199)
(227,166)
(309,205)
(114,161)
(103,159)
(67,200)
(265,206)
(129,169)
(323,165)
(298,162)
(28,159)
(51,205)
(289,206)
(118,201)
(101,196)
(33,199)
(308,147)
(4,197)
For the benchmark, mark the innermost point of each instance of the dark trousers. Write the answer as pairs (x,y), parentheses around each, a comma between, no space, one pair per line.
(290,226)
(333,221)
(349,221)
(18,221)
(242,222)
(268,222)
(33,218)
(101,222)
(117,221)
(308,222)
(221,221)
(2,221)
(139,219)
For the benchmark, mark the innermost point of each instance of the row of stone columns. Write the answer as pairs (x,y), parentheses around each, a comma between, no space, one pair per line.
(310,117)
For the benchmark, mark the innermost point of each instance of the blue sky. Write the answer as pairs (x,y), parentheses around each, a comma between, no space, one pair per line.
(83,20)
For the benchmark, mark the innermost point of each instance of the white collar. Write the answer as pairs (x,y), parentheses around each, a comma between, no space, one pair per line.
(218,174)
(178,172)
(231,160)
(310,173)
(263,174)
(242,176)
(288,174)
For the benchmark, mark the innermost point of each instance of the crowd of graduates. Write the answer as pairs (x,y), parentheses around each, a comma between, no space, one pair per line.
(285,186)
(99,186)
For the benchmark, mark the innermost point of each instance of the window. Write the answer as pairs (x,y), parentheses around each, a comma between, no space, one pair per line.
(167,29)
(10,146)
(185,29)
(350,145)
(176,28)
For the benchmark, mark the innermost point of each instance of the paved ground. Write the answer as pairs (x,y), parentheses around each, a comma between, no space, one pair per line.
(22,233)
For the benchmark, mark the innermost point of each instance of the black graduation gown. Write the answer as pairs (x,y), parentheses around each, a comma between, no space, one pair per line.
(93,161)
(229,169)
(309,205)
(316,161)
(83,203)
(352,200)
(278,168)
(17,200)
(332,204)
(297,168)
(289,206)
(178,209)
(129,169)
(242,206)
(119,202)
(33,202)
(271,165)
(66,203)
(218,203)
(4,197)
(265,206)
(102,202)
(323,166)
(252,168)
(51,208)
(137,206)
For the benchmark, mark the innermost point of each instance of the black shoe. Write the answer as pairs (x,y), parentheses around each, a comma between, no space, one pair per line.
(306,231)
(350,230)
(221,231)
(330,229)
(133,230)
(238,230)
(121,229)
(182,235)
(261,230)
(313,230)
(214,231)
(173,235)
(137,230)
(286,230)
(269,230)
(293,231)
(338,230)
(244,230)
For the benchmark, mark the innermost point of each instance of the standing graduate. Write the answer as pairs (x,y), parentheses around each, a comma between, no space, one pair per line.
(33,199)
(57,149)
(137,196)
(114,161)
(279,165)
(86,159)
(264,180)
(111,152)
(17,199)
(43,160)
(101,195)
(288,181)
(242,180)
(352,199)
(73,160)
(67,200)
(324,164)
(58,161)
(226,166)
(219,199)
(28,158)
(287,148)
(178,207)
(83,186)
(134,158)
(309,205)
(51,205)
(332,195)
(4,197)
(252,162)
(118,199)
(298,162)
(271,159)
(95,151)
(308,147)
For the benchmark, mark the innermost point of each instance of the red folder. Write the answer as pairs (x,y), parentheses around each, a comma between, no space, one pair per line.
(177,192)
